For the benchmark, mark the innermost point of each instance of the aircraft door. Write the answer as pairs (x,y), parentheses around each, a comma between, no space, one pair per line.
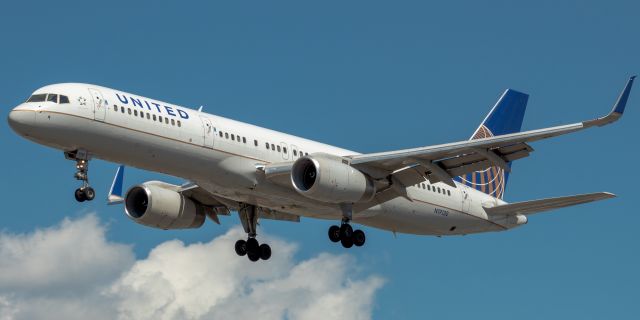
(99,104)
(208,132)
(466,199)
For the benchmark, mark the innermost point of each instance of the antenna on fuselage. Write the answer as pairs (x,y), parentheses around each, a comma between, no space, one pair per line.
(200,109)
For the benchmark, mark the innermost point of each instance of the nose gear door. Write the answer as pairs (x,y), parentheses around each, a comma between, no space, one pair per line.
(99,104)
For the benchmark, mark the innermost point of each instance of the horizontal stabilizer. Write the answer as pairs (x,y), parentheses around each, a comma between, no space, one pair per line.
(535,206)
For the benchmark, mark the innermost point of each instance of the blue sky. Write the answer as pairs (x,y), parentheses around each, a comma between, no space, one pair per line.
(368,76)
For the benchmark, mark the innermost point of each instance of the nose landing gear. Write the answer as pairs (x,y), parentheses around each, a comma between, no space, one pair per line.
(85,192)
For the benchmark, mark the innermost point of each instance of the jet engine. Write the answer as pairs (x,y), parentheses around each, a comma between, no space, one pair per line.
(159,205)
(325,178)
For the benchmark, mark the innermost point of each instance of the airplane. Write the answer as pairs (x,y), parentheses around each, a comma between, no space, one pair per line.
(447,189)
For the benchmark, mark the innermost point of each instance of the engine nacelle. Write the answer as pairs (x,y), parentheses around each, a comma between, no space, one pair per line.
(158,205)
(325,178)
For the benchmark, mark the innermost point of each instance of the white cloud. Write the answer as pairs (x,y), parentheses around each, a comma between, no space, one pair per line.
(72,272)
(71,256)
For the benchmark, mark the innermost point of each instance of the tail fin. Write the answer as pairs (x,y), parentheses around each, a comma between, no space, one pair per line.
(504,118)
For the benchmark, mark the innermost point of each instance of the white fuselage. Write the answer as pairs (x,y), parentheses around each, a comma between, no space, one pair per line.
(221,156)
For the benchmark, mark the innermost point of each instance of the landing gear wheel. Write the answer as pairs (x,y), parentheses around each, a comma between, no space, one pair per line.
(346,232)
(358,238)
(253,249)
(253,256)
(252,245)
(89,193)
(241,247)
(80,196)
(334,233)
(346,242)
(265,251)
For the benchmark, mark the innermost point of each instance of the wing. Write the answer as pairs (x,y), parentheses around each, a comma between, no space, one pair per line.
(535,206)
(224,206)
(445,161)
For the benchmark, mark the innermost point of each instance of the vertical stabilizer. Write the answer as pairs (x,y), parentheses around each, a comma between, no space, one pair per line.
(504,118)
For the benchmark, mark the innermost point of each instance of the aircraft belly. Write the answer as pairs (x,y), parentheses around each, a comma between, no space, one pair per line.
(402,216)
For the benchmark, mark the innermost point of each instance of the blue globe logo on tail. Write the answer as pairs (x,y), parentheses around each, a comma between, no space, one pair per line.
(491,181)
(505,117)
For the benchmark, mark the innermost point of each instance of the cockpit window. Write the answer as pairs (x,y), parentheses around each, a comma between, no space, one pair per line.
(50,97)
(38,98)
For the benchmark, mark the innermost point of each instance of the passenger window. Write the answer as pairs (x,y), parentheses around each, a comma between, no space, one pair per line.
(129,110)
(52,98)
(135,113)
(266,144)
(438,189)
(173,122)
(38,98)
(233,137)
(244,140)
(221,134)
(166,120)
(148,116)
(226,135)
(65,99)
(449,192)
(122,109)
(295,153)
(255,142)
(115,108)
(154,117)
(141,114)
(278,148)
(160,119)
(179,123)
(284,149)
(273,147)
(429,187)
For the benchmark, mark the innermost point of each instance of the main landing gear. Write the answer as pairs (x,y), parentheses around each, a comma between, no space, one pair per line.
(250,247)
(85,192)
(345,233)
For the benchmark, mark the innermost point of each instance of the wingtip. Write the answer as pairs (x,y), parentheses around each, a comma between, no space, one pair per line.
(621,103)
(115,192)
(609,195)
(618,108)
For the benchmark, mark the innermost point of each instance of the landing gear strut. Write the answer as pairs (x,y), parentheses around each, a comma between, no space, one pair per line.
(85,192)
(345,233)
(250,247)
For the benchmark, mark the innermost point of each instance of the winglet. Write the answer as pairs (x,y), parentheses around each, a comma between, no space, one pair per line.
(618,107)
(115,193)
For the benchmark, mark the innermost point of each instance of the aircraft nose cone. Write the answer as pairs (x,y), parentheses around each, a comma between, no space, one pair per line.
(21,120)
